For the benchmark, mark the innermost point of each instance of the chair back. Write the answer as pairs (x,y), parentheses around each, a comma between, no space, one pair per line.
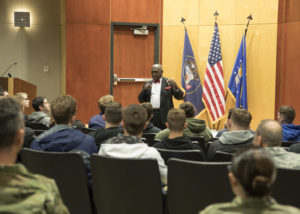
(127,186)
(201,142)
(148,138)
(68,171)
(288,143)
(195,155)
(194,185)
(222,157)
(36,126)
(87,130)
(286,189)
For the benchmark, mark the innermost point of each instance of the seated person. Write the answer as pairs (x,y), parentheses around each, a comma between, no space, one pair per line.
(238,134)
(112,118)
(29,133)
(63,137)
(97,121)
(20,190)
(150,127)
(225,125)
(176,123)
(42,108)
(290,131)
(129,144)
(251,176)
(26,102)
(269,135)
(195,127)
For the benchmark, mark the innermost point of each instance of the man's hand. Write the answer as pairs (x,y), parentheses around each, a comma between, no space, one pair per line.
(172,83)
(147,86)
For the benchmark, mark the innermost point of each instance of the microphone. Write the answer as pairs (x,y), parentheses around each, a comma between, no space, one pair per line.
(9,75)
(15,63)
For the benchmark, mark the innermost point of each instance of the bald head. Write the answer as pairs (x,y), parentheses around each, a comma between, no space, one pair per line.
(156,71)
(269,132)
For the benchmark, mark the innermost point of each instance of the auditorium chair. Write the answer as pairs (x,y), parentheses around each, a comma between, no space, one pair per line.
(286,189)
(222,157)
(149,138)
(195,155)
(201,142)
(288,143)
(69,173)
(194,185)
(127,186)
(37,128)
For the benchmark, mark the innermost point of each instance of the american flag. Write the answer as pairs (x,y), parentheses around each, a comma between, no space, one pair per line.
(213,90)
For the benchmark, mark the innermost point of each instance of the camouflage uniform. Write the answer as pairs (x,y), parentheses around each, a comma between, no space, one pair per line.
(250,206)
(121,138)
(24,192)
(284,159)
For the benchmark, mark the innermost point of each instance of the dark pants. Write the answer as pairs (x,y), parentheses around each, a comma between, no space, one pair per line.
(156,119)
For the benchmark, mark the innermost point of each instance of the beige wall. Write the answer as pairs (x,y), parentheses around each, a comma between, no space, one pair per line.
(33,47)
(261,44)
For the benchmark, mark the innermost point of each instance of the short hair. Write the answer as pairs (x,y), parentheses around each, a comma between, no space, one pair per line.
(270,131)
(113,113)
(12,119)
(103,101)
(287,113)
(255,171)
(176,119)
(188,108)
(37,102)
(149,109)
(63,108)
(134,119)
(18,98)
(241,117)
(23,94)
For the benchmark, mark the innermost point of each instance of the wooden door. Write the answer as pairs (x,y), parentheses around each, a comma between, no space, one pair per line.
(132,58)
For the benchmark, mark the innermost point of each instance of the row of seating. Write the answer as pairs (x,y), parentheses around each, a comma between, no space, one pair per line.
(133,186)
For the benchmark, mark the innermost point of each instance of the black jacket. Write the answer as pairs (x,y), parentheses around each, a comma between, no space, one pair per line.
(101,135)
(166,95)
(179,143)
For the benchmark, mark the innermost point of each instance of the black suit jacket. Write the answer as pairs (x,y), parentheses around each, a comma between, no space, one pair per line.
(166,94)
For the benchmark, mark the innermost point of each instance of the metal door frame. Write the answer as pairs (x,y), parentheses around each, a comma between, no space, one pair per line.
(134,25)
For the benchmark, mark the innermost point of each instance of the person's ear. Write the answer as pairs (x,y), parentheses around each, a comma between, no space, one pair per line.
(122,124)
(151,117)
(232,180)
(229,123)
(41,108)
(146,124)
(185,125)
(19,138)
(73,118)
(103,117)
(167,124)
(258,141)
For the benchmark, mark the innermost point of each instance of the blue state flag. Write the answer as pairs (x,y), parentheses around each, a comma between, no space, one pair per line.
(238,81)
(190,79)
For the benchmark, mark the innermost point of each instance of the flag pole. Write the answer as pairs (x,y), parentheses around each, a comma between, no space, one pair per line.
(249,19)
(216,15)
(183,22)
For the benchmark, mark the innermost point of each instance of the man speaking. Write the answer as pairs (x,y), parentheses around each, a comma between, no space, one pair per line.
(159,93)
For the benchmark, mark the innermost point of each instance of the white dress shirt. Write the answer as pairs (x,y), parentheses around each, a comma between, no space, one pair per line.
(155,94)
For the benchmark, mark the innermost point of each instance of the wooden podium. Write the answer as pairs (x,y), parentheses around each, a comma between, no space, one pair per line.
(15,85)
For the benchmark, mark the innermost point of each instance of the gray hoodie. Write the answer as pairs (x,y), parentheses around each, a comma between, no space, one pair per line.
(39,117)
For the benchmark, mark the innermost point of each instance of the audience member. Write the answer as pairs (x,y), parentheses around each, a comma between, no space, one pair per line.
(26,100)
(176,123)
(112,118)
(97,121)
(29,133)
(290,131)
(129,144)
(195,127)
(20,190)
(42,108)
(62,137)
(251,176)
(1,91)
(159,92)
(150,127)
(238,134)
(269,135)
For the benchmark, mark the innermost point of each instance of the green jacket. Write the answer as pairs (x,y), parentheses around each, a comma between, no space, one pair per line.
(250,206)
(195,128)
(24,192)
